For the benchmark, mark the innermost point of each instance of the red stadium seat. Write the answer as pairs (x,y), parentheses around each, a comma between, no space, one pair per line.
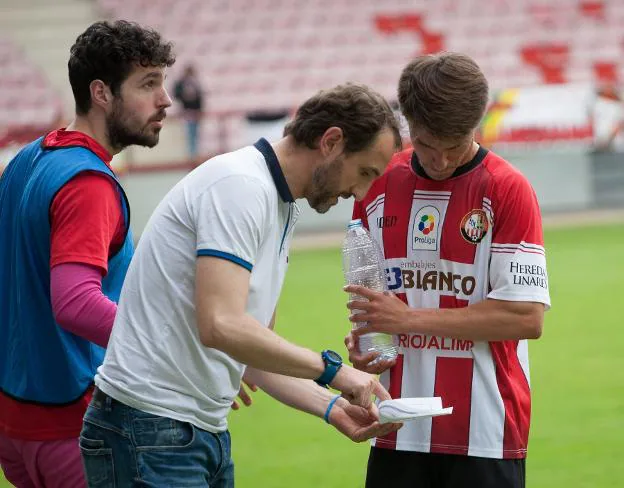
(304,45)
(550,59)
(606,72)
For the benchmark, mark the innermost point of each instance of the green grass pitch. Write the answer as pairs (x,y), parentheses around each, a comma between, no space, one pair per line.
(577,375)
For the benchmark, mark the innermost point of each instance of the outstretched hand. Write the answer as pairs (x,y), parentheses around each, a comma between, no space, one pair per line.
(244,396)
(357,423)
(358,388)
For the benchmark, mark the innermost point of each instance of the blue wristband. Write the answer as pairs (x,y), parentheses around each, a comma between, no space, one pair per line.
(329,407)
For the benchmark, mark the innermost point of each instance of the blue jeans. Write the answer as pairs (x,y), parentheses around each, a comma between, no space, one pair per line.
(122,447)
(192,134)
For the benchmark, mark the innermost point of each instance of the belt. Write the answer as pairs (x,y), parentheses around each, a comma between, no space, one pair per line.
(102,399)
(99,395)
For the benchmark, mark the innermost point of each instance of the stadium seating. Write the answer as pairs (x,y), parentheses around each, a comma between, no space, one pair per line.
(272,54)
(26,98)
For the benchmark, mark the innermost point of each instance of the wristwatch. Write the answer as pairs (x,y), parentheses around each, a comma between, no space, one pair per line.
(333,362)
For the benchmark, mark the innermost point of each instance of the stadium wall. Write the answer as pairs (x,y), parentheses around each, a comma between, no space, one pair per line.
(564,181)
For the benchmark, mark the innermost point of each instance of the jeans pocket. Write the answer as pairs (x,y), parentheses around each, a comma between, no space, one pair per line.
(162,433)
(173,454)
(98,463)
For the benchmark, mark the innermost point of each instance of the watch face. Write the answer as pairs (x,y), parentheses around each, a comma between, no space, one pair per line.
(333,357)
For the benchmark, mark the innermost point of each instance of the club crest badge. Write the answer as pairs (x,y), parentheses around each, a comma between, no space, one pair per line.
(474,226)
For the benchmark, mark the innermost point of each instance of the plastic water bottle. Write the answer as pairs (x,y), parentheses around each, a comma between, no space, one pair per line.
(362,265)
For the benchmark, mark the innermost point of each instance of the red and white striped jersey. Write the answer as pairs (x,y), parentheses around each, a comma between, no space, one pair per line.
(449,244)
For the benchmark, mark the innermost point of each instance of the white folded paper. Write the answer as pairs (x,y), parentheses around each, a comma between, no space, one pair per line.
(404,409)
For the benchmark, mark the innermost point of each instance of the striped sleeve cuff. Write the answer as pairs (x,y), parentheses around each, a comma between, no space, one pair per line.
(225,255)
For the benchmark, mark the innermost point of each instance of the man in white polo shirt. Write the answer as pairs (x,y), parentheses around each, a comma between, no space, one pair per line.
(199,300)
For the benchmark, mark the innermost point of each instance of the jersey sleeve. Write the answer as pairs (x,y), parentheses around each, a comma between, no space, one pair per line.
(84,216)
(359,212)
(231,217)
(518,260)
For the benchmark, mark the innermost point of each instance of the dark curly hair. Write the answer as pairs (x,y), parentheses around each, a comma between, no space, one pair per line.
(358,110)
(109,51)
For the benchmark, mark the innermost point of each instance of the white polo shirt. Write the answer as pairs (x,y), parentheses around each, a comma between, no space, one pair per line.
(236,206)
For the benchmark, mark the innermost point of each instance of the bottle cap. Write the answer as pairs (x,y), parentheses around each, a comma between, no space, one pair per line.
(355,223)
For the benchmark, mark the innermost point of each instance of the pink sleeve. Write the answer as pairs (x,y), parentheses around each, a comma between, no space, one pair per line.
(78,304)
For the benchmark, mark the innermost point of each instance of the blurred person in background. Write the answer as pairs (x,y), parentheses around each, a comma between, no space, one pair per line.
(65,246)
(188,91)
(461,234)
(607,113)
(198,306)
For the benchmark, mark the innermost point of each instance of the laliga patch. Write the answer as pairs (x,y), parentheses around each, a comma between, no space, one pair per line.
(474,226)
(426,229)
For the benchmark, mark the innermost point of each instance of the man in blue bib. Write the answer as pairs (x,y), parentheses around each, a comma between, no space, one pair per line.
(65,247)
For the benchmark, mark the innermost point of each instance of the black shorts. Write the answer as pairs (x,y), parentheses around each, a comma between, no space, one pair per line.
(388,468)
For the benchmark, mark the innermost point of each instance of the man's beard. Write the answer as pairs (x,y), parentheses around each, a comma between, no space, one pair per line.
(124,130)
(324,190)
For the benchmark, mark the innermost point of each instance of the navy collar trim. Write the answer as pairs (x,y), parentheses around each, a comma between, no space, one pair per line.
(473,163)
(276,170)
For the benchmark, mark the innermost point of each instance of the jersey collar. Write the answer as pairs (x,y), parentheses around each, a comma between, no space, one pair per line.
(62,138)
(276,170)
(473,163)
